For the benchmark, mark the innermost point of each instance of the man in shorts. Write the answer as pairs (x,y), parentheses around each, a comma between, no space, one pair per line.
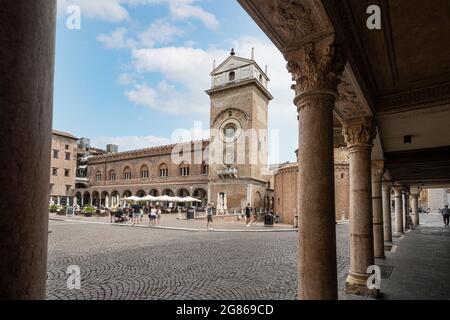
(136,212)
(209,216)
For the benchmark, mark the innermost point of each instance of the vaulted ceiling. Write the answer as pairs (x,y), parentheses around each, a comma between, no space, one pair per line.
(401,73)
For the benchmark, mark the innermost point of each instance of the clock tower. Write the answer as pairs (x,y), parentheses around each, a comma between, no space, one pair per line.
(238,141)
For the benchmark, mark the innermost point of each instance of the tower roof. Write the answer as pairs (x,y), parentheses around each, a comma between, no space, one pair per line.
(234,62)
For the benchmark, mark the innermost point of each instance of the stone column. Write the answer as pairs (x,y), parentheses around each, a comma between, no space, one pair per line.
(359,135)
(316,68)
(398,210)
(27,51)
(406,214)
(415,208)
(387,219)
(377,208)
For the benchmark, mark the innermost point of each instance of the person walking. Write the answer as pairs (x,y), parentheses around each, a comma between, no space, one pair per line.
(136,208)
(446,214)
(152,216)
(209,216)
(158,216)
(247,214)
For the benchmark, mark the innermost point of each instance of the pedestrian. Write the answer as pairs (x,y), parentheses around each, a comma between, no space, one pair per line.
(446,214)
(136,209)
(153,216)
(158,216)
(112,214)
(255,216)
(209,216)
(247,214)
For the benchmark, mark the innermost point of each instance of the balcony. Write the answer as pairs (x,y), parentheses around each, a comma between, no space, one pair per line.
(227,173)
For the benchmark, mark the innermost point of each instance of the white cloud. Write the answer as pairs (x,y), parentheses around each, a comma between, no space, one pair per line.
(142,94)
(116,40)
(127,143)
(159,32)
(183,10)
(105,10)
(115,10)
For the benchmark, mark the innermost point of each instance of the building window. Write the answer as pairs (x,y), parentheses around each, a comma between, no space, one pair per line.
(67,147)
(68,187)
(127,174)
(98,176)
(163,171)
(205,168)
(144,172)
(67,155)
(55,171)
(66,173)
(55,154)
(232,76)
(184,170)
(112,175)
(342,176)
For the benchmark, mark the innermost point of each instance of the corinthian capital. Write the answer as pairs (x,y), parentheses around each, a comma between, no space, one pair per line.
(359,132)
(316,66)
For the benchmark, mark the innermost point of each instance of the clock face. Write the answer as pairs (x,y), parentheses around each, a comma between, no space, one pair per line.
(230,130)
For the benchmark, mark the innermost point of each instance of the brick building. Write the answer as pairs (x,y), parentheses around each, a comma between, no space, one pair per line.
(63,167)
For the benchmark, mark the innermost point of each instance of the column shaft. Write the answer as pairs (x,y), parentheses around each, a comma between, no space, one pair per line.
(359,136)
(415,209)
(377,207)
(387,220)
(316,68)
(317,250)
(27,51)
(398,210)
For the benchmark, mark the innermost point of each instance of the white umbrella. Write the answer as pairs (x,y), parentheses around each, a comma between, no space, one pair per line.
(133,198)
(149,198)
(191,199)
(165,199)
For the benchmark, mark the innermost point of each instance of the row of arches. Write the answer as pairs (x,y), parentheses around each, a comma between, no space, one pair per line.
(144,172)
(107,199)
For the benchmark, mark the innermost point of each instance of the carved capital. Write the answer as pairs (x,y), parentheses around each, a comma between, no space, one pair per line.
(316,66)
(359,132)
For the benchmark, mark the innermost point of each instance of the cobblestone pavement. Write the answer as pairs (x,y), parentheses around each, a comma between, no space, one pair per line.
(140,263)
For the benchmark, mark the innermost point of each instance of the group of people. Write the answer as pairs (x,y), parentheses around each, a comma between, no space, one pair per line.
(134,214)
(210,210)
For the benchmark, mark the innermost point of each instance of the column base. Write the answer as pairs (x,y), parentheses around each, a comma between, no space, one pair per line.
(357,284)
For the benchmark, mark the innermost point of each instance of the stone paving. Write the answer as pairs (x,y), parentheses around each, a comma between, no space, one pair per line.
(141,263)
(420,266)
(144,263)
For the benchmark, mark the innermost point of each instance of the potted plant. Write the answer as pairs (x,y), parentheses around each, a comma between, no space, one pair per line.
(88,210)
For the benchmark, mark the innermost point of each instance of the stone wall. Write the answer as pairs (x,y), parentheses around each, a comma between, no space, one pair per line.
(286,186)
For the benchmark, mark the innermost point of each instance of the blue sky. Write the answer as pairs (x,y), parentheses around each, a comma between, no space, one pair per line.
(136,71)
